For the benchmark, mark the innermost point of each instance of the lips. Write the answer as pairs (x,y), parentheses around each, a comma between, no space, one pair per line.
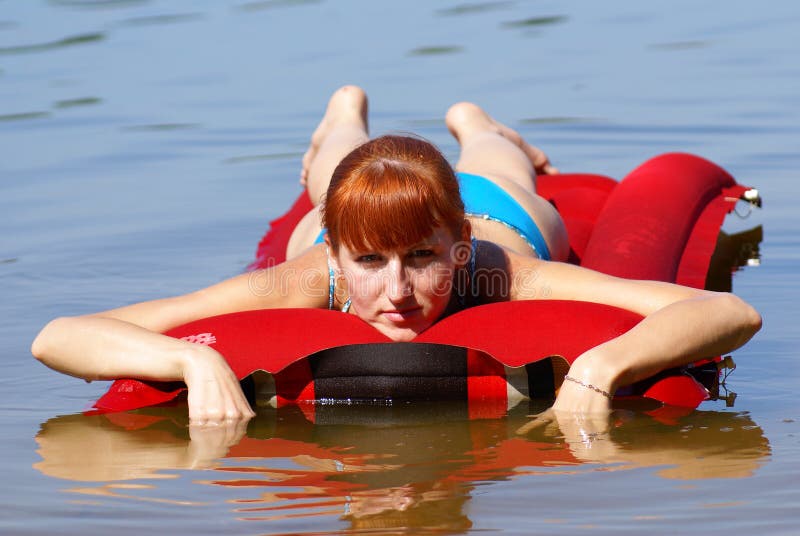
(399,316)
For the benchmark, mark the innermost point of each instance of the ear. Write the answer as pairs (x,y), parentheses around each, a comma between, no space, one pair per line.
(466,231)
(464,244)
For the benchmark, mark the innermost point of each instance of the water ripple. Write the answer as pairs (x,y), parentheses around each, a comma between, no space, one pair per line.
(271,4)
(51,45)
(604,126)
(260,157)
(99,4)
(24,116)
(161,19)
(680,45)
(536,21)
(435,50)
(476,7)
(160,127)
(559,120)
(72,103)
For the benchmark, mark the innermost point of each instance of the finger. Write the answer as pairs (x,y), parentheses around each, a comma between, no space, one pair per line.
(218,399)
(240,408)
(233,403)
(245,409)
(208,408)
(538,421)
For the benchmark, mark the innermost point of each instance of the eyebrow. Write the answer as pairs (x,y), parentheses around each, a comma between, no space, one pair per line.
(429,241)
(426,242)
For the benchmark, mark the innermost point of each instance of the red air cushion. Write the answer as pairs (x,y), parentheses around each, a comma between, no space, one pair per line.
(648,218)
(659,223)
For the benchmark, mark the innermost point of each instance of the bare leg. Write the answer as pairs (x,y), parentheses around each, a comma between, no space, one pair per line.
(492,149)
(342,129)
(497,152)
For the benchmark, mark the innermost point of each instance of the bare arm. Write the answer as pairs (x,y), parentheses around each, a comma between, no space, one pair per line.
(126,342)
(681,325)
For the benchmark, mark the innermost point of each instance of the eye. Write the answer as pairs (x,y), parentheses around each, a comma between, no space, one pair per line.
(422,253)
(368,258)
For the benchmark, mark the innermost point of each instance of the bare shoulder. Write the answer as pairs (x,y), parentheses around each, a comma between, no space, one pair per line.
(300,282)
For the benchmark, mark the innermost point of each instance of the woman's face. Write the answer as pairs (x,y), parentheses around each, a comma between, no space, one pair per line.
(402,292)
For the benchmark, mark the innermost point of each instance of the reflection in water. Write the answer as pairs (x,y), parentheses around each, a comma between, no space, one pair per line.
(733,251)
(377,466)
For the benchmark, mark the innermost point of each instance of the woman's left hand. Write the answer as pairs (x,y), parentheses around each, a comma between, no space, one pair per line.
(576,398)
(589,385)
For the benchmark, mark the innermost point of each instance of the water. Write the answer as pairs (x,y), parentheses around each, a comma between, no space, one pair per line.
(145,144)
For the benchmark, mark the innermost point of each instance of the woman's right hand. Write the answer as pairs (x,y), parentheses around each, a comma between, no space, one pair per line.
(215,395)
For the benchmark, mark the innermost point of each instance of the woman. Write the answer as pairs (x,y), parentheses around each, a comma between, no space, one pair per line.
(399,253)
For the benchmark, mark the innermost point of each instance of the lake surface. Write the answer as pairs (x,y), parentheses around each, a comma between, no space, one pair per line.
(144,145)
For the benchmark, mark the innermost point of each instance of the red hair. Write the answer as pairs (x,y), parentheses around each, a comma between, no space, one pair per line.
(389,193)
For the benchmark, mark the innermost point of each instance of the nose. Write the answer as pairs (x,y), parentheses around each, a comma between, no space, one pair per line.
(397,283)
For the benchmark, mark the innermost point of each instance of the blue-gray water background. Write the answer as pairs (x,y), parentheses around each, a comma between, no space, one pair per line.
(145,144)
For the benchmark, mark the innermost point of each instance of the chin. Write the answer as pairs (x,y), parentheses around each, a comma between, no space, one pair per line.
(400,333)
(403,335)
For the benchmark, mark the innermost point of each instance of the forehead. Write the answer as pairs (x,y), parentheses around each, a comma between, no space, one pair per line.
(438,236)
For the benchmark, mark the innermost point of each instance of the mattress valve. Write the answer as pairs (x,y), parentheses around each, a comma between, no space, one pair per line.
(752,196)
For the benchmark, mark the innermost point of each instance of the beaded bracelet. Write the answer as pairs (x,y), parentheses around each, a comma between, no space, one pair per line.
(590,386)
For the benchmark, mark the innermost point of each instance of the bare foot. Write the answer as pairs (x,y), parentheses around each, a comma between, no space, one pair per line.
(347,105)
(464,119)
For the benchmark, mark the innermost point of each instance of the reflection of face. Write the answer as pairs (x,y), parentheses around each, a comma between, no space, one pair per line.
(404,291)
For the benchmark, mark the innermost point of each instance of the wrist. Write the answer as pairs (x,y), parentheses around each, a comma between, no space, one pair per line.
(589,386)
(193,356)
(598,368)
